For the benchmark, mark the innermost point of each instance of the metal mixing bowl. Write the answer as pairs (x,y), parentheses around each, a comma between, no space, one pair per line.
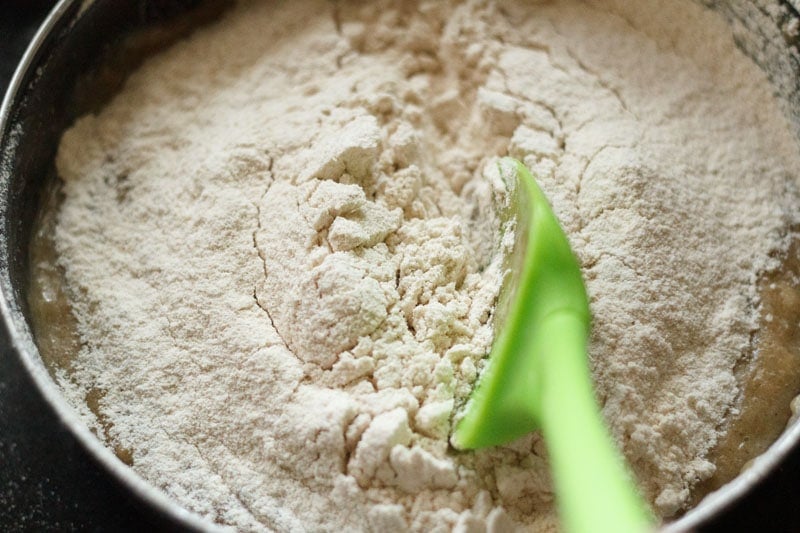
(79,58)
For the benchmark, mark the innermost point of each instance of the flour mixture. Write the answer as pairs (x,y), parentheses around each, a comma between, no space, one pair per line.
(281,251)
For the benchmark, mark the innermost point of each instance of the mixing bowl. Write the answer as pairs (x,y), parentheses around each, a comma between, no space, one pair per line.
(82,54)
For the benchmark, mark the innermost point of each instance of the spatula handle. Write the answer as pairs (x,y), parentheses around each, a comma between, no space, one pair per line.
(595,492)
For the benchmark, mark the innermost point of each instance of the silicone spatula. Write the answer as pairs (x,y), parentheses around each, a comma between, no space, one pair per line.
(537,375)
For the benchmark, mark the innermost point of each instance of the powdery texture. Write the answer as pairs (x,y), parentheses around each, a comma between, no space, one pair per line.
(282,249)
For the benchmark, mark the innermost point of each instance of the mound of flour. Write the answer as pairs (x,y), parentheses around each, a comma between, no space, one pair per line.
(281,247)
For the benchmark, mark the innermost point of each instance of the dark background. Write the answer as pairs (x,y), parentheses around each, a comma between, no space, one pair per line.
(48,483)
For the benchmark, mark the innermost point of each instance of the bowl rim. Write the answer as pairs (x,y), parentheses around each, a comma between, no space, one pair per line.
(21,343)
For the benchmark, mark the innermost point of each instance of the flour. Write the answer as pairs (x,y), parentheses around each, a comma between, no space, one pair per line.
(282,248)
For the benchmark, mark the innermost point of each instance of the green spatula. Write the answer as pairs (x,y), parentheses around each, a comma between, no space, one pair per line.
(537,375)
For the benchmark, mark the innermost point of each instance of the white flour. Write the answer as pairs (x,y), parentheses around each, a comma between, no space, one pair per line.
(281,249)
